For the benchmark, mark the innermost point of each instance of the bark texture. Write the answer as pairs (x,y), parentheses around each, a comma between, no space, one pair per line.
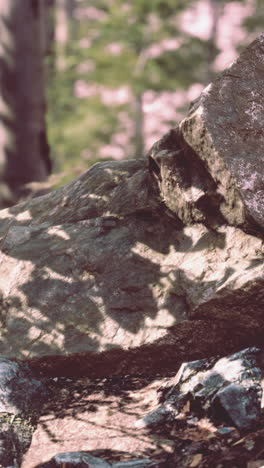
(24,150)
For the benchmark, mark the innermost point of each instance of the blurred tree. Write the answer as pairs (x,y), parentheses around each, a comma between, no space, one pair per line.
(122,50)
(24,150)
(64,27)
(136,46)
(255,21)
(154,54)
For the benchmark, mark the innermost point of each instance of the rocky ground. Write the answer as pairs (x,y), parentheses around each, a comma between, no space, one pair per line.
(99,415)
(136,267)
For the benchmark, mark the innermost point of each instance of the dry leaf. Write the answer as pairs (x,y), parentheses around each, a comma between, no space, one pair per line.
(195,434)
(187,407)
(167,445)
(196,460)
(206,424)
(249,444)
(240,441)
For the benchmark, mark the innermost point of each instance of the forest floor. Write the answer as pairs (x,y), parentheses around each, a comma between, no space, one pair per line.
(99,416)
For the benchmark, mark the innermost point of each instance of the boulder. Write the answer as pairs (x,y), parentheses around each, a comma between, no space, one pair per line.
(224,128)
(144,254)
(211,168)
(119,281)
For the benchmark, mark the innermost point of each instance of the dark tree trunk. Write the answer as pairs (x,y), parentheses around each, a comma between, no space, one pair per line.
(24,150)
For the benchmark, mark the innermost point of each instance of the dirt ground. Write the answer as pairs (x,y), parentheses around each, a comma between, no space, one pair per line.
(99,415)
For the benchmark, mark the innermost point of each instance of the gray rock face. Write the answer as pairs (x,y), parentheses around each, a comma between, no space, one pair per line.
(137,463)
(80,459)
(119,281)
(132,248)
(186,186)
(84,459)
(225,130)
(20,389)
(22,394)
(226,388)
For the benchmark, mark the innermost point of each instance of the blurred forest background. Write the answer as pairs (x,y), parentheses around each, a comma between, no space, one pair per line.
(87,80)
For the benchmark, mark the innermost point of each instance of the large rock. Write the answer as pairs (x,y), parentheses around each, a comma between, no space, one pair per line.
(225,129)
(130,249)
(210,170)
(116,280)
(226,390)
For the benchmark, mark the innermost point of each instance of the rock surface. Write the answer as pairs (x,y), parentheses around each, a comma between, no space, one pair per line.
(228,389)
(98,416)
(225,129)
(75,459)
(126,254)
(20,389)
(117,280)
(133,268)
(85,459)
(210,170)
(22,396)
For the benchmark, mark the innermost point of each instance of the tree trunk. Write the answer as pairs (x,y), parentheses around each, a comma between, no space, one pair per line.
(138,117)
(24,150)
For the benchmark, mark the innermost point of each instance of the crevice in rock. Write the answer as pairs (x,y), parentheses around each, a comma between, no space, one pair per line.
(185,185)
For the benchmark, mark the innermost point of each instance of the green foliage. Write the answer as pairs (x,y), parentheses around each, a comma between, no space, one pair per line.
(254,23)
(80,127)
(75,124)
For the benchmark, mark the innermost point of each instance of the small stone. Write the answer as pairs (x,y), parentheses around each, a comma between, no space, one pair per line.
(225,430)
(136,463)
(20,389)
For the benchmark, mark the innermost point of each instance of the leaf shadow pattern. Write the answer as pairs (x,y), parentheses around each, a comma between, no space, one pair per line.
(92,262)
(76,277)
(86,264)
(102,412)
